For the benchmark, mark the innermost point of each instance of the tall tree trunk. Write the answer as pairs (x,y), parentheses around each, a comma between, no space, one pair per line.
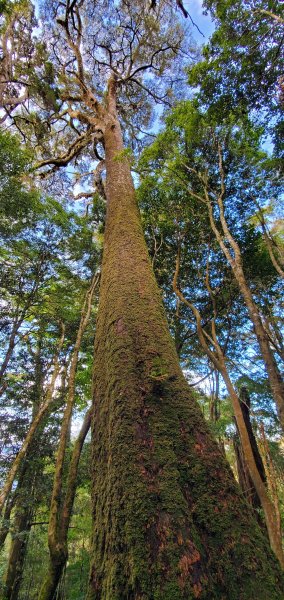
(59,517)
(245,407)
(274,376)
(244,479)
(214,396)
(169,521)
(10,349)
(255,473)
(217,357)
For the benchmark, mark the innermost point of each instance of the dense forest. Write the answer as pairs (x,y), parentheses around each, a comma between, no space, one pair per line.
(141,311)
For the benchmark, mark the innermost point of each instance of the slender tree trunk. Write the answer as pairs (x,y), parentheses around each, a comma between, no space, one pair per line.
(274,259)
(214,396)
(22,527)
(11,346)
(26,492)
(271,477)
(244,477)
(59,548)
(233,255)
(10,504)
(275,253)
(169,521)
(274,375)
(255,472)
(59,520)
(37,421)
(5,525)
(244,400)
(274,334)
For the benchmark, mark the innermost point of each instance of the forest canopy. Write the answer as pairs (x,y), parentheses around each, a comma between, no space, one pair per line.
(141,312)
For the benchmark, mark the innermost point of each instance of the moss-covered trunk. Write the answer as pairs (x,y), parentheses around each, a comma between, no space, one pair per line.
(22,527)
(55,568)
(169,521)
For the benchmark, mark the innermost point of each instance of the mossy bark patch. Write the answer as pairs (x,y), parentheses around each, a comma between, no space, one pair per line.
(169,520)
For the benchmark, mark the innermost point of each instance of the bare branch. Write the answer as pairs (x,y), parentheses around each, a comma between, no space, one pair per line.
(65,158)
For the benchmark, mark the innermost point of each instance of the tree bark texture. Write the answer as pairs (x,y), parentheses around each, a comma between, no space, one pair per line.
(274,375)
(169,520)
(271,475)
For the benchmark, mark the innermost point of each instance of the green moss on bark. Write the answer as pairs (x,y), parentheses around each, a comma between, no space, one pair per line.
(169,521)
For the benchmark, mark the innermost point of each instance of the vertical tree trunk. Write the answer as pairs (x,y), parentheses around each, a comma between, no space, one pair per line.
(245,407)
(10,349)
(214,396)
(22,526)
(271,477)
(249,447)
(5,525)
(169,522)
(245,481)
(60,509)
(58,546)
(274,375)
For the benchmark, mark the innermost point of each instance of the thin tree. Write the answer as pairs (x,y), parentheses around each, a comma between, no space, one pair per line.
(232,251)
(60,511)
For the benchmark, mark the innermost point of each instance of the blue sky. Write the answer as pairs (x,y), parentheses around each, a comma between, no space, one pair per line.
(205,24)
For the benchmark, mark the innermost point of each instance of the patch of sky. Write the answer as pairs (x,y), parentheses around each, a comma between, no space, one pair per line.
(203,25)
